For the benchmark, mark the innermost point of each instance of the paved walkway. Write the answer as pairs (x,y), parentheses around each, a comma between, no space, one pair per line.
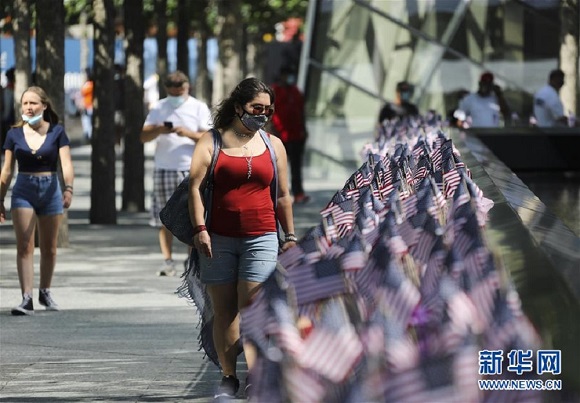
(122,335)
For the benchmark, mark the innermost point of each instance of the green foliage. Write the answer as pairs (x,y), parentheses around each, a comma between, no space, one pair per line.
(261,16)
(6,10)
(258,16)
(74,8)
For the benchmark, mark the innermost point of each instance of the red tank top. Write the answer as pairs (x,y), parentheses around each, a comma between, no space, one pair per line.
(242,206)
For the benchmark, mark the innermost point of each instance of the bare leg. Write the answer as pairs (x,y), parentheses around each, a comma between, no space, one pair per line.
(24,221)
(246,291)
(165,242)
(48,237)
(226,325)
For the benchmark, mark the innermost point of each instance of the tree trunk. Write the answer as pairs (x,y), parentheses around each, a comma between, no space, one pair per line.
(50,29)
(22,68)
(202,79)
(84,41)
(23,60)
(134,159)
(569,43)
(229,28)
(182,37)
(161,13)
(103,209)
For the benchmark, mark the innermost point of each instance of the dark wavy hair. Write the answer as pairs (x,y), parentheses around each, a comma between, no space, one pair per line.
(49,114)
(244,92)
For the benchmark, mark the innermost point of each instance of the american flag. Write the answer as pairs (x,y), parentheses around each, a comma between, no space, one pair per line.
(444,378)
(427,230)
(428,200)
(302,385)
(409,205)
(267,382)
(420,149)
(414,340)
(254,319)
(422,169)
(317,280)
(397,295)
(365,217)
(467,234)
(339,218)
(355,254)
(331,354)
(451,180)
(436,159)
(484,294)
(434,269)
(295,256)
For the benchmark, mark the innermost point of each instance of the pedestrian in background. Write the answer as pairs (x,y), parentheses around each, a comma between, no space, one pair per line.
(8,115)
(175,124)
(485,106)
(402,107)
(289,124)
(548,107)
(87,115)
(119,79)
(37,142)
(238,249)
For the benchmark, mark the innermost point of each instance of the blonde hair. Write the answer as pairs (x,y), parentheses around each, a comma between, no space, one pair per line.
(49,114)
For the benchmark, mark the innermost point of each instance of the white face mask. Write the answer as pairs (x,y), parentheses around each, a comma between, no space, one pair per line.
(176,101)
(32,120)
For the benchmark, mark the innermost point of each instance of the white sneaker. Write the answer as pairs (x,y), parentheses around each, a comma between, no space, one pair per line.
(26,307)
(167,270)
(45,299)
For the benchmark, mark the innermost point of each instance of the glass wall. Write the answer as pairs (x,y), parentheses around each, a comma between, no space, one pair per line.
(359,49)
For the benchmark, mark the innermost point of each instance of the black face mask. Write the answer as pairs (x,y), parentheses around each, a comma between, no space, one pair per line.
(253,122)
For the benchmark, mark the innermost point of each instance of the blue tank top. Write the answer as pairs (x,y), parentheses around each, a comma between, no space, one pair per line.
(42,160)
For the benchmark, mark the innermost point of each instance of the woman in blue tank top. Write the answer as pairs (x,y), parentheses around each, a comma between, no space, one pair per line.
(36,142)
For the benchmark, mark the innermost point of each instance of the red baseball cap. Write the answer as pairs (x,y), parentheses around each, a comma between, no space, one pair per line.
(486,77)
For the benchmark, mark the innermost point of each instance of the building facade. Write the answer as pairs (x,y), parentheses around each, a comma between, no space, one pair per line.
(356,51)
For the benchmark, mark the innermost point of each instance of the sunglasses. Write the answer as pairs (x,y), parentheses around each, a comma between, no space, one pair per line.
(258,109)
(173,85)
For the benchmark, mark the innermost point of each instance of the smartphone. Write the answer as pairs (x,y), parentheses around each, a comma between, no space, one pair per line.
(169,125)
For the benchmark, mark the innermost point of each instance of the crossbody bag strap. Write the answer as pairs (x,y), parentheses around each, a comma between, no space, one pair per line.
(274,183)
(208,190)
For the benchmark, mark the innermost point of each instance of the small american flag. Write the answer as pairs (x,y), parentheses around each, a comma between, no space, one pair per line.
(317,280)
(332,354)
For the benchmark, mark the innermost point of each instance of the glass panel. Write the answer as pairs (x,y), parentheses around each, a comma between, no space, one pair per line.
(343,118)
(440,46)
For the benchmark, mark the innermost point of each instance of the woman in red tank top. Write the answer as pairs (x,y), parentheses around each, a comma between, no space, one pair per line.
(238,250)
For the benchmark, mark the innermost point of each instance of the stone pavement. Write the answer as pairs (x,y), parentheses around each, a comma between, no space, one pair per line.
(122,335)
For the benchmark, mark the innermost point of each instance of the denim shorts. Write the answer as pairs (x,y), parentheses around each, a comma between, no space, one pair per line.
(41,193)
(250,259)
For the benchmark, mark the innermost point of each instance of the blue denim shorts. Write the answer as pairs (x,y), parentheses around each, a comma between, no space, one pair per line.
(250,259)
(41,193)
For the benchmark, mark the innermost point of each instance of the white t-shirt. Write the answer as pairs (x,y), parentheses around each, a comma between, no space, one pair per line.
(484,111)
(548,107)
(173,152)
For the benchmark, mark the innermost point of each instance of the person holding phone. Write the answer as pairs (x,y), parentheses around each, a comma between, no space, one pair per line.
(175,124)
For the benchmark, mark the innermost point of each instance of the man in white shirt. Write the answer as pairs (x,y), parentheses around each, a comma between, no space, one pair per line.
(548,108)
(175,123)
(484,106)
